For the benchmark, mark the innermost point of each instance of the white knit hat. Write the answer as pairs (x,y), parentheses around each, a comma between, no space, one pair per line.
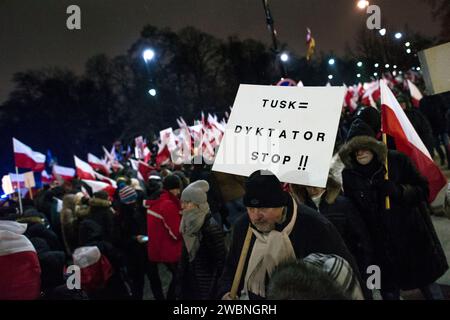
(196,192)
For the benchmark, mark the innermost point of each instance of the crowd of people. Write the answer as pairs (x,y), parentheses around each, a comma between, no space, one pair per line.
(305,242)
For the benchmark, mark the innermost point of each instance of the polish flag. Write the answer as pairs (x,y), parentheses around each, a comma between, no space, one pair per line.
(96,270)
(371,95)
(135,166)
(84,170)
(163,156)
(101,186)
(105,179)
(396,124)
(20,272)
(64,173)
(416,95)
(98,164)
(145,170)
(46,178)
(25,157)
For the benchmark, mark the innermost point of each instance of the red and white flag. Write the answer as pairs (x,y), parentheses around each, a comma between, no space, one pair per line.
(96,270)
(25,157)
(101,186)
(46,178)
(84,170)
(105,179)
(98,164)
(396,124)
(416,95)
(63,173)
(20,271)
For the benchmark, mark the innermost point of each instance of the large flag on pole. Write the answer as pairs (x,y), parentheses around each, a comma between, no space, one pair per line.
(396,124)
(84,170)
(26,158)
(98,164)
(101,186)
(63,173)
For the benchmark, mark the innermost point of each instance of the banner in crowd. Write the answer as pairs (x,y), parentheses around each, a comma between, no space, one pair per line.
(290,131)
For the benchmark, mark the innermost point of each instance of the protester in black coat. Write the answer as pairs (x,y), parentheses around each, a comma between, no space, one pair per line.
(118,286)
(307,231)
(203,254)
(435,110)
(345,217)
(405,243)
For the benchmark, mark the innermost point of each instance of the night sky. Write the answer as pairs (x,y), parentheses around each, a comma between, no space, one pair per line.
(33,33)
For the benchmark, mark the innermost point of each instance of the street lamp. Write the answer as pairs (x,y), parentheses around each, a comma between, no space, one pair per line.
(398,35)
(382,32)
(375,74)
(362,4)
(152,92)
(387,66)
(376,65)
(408,51)
(148,55)
(331,62)
(358,75)
(407,44)
(284,57)
(330,77)
(359,64)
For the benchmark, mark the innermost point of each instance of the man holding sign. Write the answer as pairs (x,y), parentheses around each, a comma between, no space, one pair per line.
(284,130)
(281,230)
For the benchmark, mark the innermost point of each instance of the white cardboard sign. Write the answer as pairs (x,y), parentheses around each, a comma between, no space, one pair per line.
(290,131)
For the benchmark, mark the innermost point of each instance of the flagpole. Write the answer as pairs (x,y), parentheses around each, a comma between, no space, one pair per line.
(273,32)
(241,263)
(18,190)
(386,175)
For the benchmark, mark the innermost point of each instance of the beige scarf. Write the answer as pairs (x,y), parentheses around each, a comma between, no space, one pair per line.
(268,251)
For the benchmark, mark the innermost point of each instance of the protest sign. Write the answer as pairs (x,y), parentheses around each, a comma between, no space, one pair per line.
(290,131)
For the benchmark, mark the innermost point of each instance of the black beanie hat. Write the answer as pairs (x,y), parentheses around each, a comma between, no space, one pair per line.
(263,190)
(172,182)
(359,128)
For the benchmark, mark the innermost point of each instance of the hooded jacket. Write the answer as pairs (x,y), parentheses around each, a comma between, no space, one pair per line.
(163,228)
(405,243)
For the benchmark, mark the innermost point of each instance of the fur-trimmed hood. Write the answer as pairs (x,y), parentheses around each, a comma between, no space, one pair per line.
(97,202)
(362,142)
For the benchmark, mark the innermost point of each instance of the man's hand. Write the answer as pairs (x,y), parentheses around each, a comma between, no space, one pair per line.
(391,189)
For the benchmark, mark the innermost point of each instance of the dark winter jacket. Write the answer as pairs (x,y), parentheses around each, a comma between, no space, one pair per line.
(91,234)
(312,233)
(434,109)
(100,212)
(198,279)
(405,243)
(348,221)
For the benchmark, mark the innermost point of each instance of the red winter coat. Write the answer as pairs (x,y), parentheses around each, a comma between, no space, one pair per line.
(163,228)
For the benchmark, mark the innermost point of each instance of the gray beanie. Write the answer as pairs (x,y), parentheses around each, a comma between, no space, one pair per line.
(196,192)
